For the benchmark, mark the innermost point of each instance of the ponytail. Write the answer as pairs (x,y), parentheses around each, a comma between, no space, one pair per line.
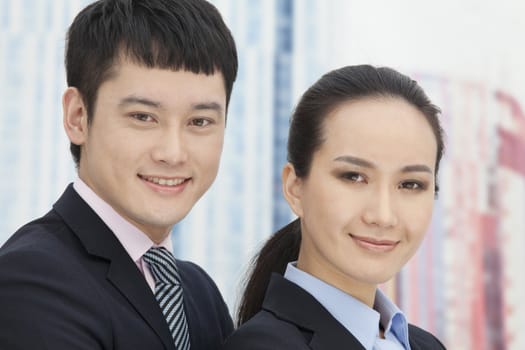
(277,252)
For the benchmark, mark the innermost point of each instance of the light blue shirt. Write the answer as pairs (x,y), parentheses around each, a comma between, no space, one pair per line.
(357,317)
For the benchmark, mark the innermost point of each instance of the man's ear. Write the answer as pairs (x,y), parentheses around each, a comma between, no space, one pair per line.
(292,189)
(75,116)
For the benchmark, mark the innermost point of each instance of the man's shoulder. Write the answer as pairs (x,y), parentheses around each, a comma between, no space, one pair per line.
(40,259)
(45,244)
(44,251)
(37,235)
(45,290)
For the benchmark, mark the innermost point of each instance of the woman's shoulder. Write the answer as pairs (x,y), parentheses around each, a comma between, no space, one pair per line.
(424,339)
(265,331)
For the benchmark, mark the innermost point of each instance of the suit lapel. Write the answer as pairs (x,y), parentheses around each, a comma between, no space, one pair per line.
(412,338)
(291,303)
(131,283)
(413,345)
(98,240)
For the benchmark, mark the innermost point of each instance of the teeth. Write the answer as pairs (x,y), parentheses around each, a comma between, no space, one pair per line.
(165,182)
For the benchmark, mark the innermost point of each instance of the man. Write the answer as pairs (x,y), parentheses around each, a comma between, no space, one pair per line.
(149,83)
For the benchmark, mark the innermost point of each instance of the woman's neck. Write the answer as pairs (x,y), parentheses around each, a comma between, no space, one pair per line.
(363,292)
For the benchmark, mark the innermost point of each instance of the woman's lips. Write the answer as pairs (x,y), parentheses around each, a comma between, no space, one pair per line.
(374,245)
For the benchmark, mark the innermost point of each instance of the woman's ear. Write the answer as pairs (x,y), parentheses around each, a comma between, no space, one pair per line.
(292,189)
(75,116)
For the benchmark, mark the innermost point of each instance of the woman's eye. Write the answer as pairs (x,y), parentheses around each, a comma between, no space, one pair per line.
(412,185)
(200,122)
(353,176)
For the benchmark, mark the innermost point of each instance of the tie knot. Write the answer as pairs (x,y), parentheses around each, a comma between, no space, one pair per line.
(162,265)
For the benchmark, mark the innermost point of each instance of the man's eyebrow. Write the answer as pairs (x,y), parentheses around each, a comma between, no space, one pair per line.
(214,106)
(366,164)
(130,100)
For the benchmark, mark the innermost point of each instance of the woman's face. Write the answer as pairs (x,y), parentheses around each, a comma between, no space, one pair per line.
(367,201)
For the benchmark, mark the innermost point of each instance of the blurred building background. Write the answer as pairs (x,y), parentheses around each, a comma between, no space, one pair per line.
(464,284)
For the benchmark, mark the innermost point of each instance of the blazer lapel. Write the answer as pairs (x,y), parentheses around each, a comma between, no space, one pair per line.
(124,277)
(289,302)
(413,338)
(98,240)
(413,345)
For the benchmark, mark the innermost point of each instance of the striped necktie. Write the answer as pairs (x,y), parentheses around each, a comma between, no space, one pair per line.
(168,293)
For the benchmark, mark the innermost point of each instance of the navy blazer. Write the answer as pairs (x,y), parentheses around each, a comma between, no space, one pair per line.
(66,282)
(293,319)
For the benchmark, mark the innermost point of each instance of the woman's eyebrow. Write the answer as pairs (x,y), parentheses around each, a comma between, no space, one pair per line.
(367,164)
(356,161)
(416,168)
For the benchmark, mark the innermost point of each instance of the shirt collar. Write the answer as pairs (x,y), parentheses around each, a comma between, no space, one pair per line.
(392,318)
(134,241)
(357,317)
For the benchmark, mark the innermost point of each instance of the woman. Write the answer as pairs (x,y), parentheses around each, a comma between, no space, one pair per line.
(363,155)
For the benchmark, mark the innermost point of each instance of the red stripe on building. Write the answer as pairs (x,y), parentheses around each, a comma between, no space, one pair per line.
(512,151)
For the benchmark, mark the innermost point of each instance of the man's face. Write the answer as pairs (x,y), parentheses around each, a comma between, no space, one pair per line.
(154,144)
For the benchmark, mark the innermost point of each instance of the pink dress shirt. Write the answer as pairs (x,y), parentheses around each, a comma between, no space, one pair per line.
(134,241)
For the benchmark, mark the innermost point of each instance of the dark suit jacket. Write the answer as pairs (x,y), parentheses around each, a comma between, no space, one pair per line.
(66,282)
(293,319)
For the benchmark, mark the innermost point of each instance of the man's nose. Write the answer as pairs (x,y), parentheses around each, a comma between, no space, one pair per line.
(170,147)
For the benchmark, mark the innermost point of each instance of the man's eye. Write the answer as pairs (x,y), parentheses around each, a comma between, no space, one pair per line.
(142,117)
(200,122)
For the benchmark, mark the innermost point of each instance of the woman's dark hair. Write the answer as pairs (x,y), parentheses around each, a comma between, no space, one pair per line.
(305,137)
(168,34)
